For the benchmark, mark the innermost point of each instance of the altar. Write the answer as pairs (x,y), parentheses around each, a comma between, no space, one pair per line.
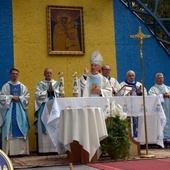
(132,105)
(82,129)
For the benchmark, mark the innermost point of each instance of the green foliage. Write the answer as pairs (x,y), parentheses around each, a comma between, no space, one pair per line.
(161,10)
(117,143)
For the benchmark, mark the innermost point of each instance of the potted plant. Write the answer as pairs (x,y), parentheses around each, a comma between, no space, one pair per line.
(117,143)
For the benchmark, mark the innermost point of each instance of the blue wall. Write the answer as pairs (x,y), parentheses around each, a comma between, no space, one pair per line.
(155,58)
(6,40)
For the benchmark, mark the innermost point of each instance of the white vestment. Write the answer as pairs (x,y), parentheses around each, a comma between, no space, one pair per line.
(134,120)
(138,84)
(45,143)
(13,145)
(158,90)
(114,84)
(85,85)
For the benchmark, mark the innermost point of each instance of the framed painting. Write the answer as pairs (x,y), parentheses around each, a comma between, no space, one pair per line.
(65,30)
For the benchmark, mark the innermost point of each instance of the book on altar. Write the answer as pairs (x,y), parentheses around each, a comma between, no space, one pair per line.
(126,90)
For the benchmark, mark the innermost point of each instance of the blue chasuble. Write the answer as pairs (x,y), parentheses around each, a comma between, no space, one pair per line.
(15,90)
(94,81)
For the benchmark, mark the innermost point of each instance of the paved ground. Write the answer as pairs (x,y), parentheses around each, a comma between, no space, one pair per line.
(61,162)
(75,167)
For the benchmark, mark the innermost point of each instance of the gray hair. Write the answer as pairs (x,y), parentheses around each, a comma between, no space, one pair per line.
(130,71)
(159,74)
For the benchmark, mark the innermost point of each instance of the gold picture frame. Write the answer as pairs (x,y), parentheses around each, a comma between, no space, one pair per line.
(65,30)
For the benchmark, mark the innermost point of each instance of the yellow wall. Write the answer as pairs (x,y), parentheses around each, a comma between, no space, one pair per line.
(31,51)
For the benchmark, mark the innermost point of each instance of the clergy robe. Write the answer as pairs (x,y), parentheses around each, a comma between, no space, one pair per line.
(136,85)
(45,144)
(157,90)
(15,124)
(135,120)
(114,83)
(85,85)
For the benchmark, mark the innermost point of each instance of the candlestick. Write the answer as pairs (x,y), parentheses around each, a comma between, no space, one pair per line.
(61,85)
(75,84)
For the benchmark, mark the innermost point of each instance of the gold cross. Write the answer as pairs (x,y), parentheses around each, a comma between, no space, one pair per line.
(140,36)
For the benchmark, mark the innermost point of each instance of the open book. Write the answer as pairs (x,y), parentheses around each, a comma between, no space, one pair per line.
(126,90)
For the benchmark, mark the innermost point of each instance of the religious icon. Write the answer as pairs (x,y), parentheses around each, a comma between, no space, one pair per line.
(65,30)
(94,85)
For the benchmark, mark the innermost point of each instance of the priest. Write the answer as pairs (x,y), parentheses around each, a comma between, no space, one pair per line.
(137,91)
(163,92)
(93,83)
(46,90)
(14,119)
(113,82)
(130,81)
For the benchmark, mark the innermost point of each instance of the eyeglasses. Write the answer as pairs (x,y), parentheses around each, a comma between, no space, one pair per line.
(106,69)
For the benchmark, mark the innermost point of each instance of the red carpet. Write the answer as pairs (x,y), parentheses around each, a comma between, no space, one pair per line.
(154,164)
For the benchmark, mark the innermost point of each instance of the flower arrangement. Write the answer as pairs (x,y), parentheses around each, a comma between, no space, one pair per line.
(117,143)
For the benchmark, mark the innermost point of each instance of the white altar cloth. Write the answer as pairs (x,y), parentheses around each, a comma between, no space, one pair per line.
(132,105)
(85,125)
